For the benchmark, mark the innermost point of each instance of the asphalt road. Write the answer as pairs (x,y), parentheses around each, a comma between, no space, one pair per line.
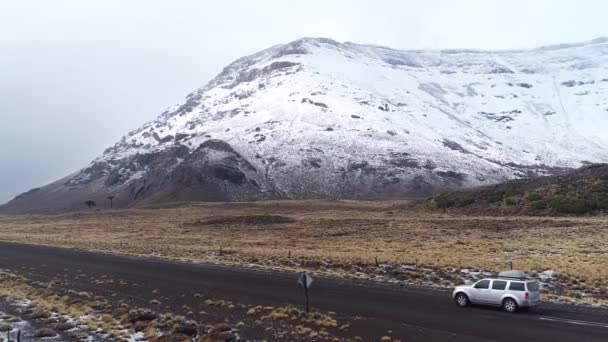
(412,313)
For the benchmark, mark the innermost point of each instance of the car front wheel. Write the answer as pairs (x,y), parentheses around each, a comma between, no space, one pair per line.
(509,305)
(462,300)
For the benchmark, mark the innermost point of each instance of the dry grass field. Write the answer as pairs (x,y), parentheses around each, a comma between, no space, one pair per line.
(387,241)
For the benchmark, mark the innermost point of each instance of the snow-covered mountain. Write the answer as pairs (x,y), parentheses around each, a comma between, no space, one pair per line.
(319,118)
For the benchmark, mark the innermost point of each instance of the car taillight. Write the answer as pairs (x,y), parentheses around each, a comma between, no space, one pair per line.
(527,296)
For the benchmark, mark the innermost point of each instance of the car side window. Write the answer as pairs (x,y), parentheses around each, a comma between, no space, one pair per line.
(484,284)
(499,285)
(517,286)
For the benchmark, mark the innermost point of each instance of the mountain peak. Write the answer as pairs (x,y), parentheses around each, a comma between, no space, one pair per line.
(319,118)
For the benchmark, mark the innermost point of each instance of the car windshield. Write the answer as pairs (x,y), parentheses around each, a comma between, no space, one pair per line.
(532,286)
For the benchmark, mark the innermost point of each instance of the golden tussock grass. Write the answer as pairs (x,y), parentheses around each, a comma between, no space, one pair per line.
(311,234)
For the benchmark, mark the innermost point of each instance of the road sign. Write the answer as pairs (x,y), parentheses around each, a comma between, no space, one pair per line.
(305,280)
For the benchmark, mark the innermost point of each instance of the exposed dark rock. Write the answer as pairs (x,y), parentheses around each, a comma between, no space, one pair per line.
(569,83)
(429,165)
(454,146)
(501,70)
(180,136)
(400,61)
(90,174)
(406,162)
(217,144)
(452,174)
(229,173)
(187,107)
(314,162)
(497,117)
(252,74)
(318,104)
(295,48)
(358,165)
(163,140)
(166,139)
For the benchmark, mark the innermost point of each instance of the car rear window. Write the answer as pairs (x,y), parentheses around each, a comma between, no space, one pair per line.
(532,286)
(499,285)
(516,286)
(484,284)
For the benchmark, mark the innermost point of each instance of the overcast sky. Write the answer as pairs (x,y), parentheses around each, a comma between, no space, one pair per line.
(77,75)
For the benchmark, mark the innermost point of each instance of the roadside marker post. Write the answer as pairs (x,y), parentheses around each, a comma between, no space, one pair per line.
(305,281)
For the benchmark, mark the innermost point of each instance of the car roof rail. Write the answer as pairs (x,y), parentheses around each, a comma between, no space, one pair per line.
(513,274)
(513,278)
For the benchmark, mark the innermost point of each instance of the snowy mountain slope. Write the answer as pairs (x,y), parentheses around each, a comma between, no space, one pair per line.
(318,118)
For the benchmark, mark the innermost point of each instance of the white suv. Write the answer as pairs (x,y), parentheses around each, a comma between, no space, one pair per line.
(511,290)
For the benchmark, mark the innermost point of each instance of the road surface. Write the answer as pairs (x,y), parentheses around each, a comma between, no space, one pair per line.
(411,313)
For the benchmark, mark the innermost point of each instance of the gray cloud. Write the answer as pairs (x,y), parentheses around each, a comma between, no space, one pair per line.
(76,75)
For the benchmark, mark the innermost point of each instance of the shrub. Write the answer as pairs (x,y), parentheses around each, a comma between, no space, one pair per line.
(533,196)
(602,202)
(538,205)
(511,201)
(600,186)
(140,325)
(444,200)
(463,202)
(514,193)
(574,205)
(64,326)
(45,332)
(493,197)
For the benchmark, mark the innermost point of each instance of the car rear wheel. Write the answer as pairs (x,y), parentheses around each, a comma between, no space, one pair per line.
(461,300)
(509,305)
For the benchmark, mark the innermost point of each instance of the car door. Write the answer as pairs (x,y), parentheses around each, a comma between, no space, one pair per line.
(481,291)
(533,289)
(497,291)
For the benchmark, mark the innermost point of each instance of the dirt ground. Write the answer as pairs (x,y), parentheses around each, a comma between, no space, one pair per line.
(389,241)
